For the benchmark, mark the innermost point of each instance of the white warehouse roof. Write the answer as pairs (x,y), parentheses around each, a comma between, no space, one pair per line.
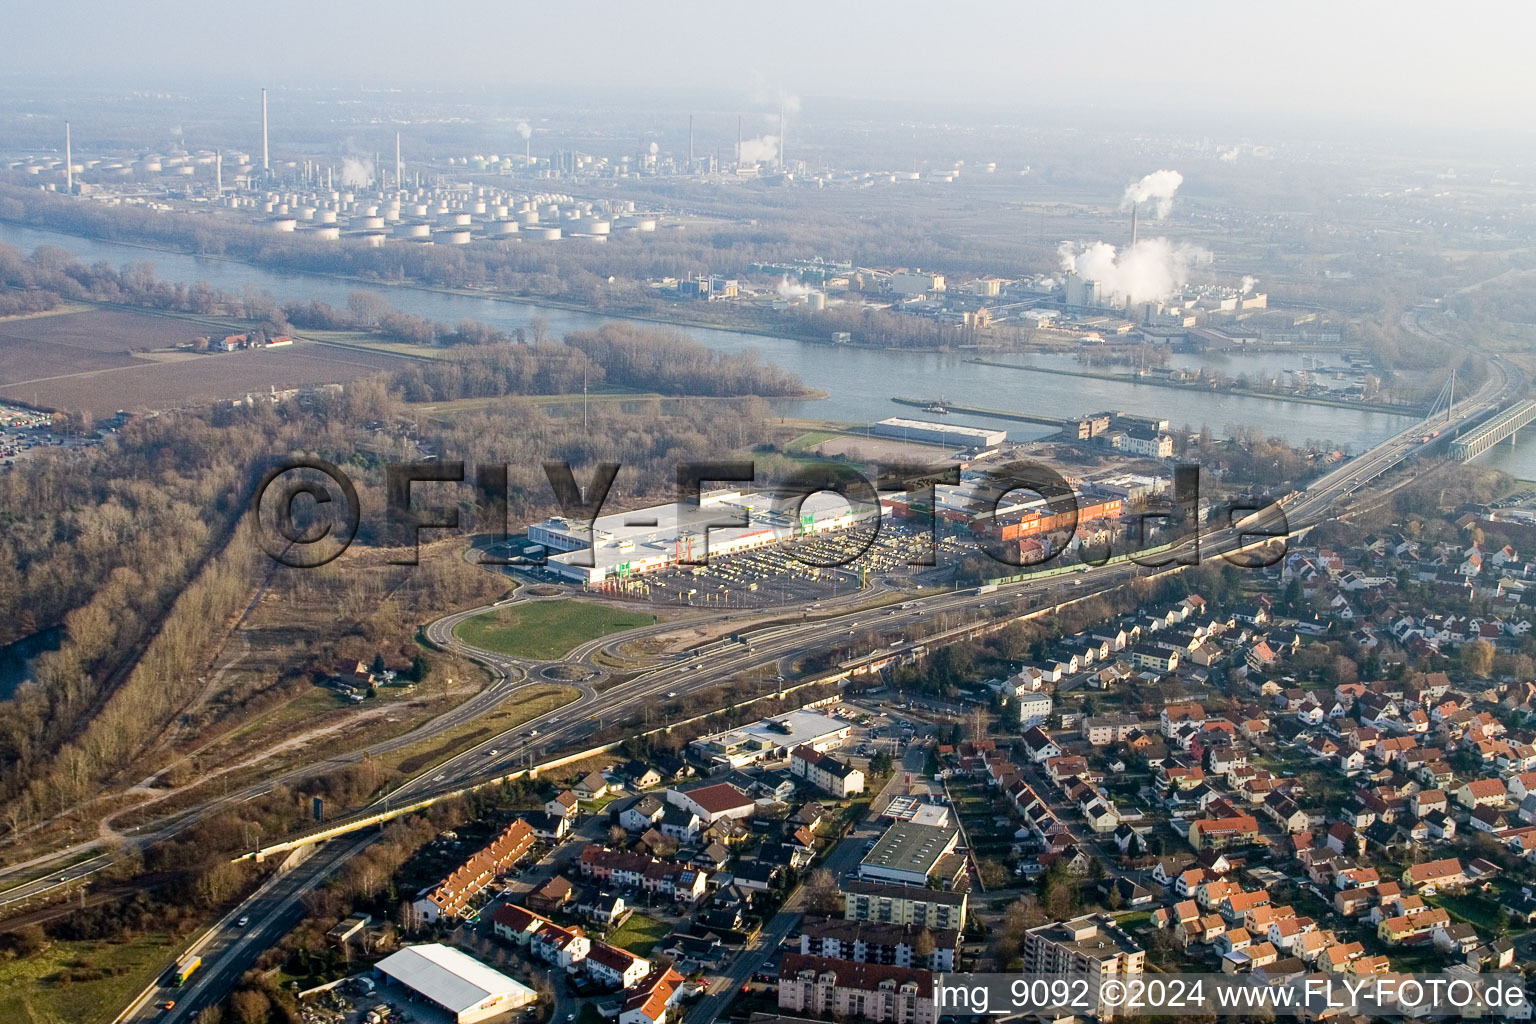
(451,979)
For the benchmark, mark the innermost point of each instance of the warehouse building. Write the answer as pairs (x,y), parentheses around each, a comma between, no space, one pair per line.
(912,854)
(455,982)
(952,434)
(772,738)
(624,544)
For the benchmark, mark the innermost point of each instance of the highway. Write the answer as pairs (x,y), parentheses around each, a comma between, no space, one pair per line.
(229,949)
(573,725)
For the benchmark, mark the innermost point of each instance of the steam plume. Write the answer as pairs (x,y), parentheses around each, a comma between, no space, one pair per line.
(1158,187)
(524,130)
(792,289)
(356,171)
(761,151)
(1152,269)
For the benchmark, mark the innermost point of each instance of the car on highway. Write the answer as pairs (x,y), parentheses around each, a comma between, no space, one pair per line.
(671,694)
(492,753)
(439,778)
(169,1004)
(242,922)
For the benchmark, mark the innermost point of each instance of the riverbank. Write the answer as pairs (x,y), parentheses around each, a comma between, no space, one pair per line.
(1204,389)
(859,381)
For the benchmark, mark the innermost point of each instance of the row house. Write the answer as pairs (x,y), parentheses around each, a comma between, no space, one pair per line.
(453,895)
(634,871)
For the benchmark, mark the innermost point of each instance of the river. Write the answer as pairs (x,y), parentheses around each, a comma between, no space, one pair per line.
(859,382)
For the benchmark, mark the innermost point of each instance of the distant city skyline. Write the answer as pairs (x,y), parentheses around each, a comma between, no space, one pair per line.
(1406,63)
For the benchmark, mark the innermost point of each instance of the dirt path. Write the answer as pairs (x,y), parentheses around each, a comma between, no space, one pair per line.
(155,795)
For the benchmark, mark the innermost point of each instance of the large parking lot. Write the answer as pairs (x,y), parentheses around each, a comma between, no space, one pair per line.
(806,570)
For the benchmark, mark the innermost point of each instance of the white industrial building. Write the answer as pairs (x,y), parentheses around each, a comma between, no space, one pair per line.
(455,982)
(940,433)
(644,540)
(908,854)
(772,738)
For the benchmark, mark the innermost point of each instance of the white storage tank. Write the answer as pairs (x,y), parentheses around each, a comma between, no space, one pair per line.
(455,236)
(503,227)
(326,232)
(368,223)
(284,224)
(528,217)
(545,234)
(413,230)
(325,216)
(306,213)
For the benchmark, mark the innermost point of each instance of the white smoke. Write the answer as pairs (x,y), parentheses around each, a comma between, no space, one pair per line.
(1159,186)
(655,149)
(1152,269)
(356,171)
(524,130)
(1249,281)
(1230,155)
(760,151)
(792,289)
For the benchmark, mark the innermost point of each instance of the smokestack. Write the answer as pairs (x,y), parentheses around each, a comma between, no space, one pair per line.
(399,181)
(782,163)
(690,141)
(265,164)
(69,164)
(1133,225)
(218,171)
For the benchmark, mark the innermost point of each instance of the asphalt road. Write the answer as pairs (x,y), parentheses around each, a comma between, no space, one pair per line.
(230,950)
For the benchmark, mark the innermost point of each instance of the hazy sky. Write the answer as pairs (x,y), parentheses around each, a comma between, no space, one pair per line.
(1409,61)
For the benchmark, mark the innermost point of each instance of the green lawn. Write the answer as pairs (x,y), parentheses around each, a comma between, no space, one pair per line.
(1473,908)
(59,984)
(639,934)
(545,630)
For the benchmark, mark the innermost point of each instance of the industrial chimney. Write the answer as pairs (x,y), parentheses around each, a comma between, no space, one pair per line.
(782,164)
(218,171)
(265,164)
(399,180)
(69,164)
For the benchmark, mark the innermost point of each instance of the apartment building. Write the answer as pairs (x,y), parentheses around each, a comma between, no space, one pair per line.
(842,989)
(904,904)
(1092,948)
